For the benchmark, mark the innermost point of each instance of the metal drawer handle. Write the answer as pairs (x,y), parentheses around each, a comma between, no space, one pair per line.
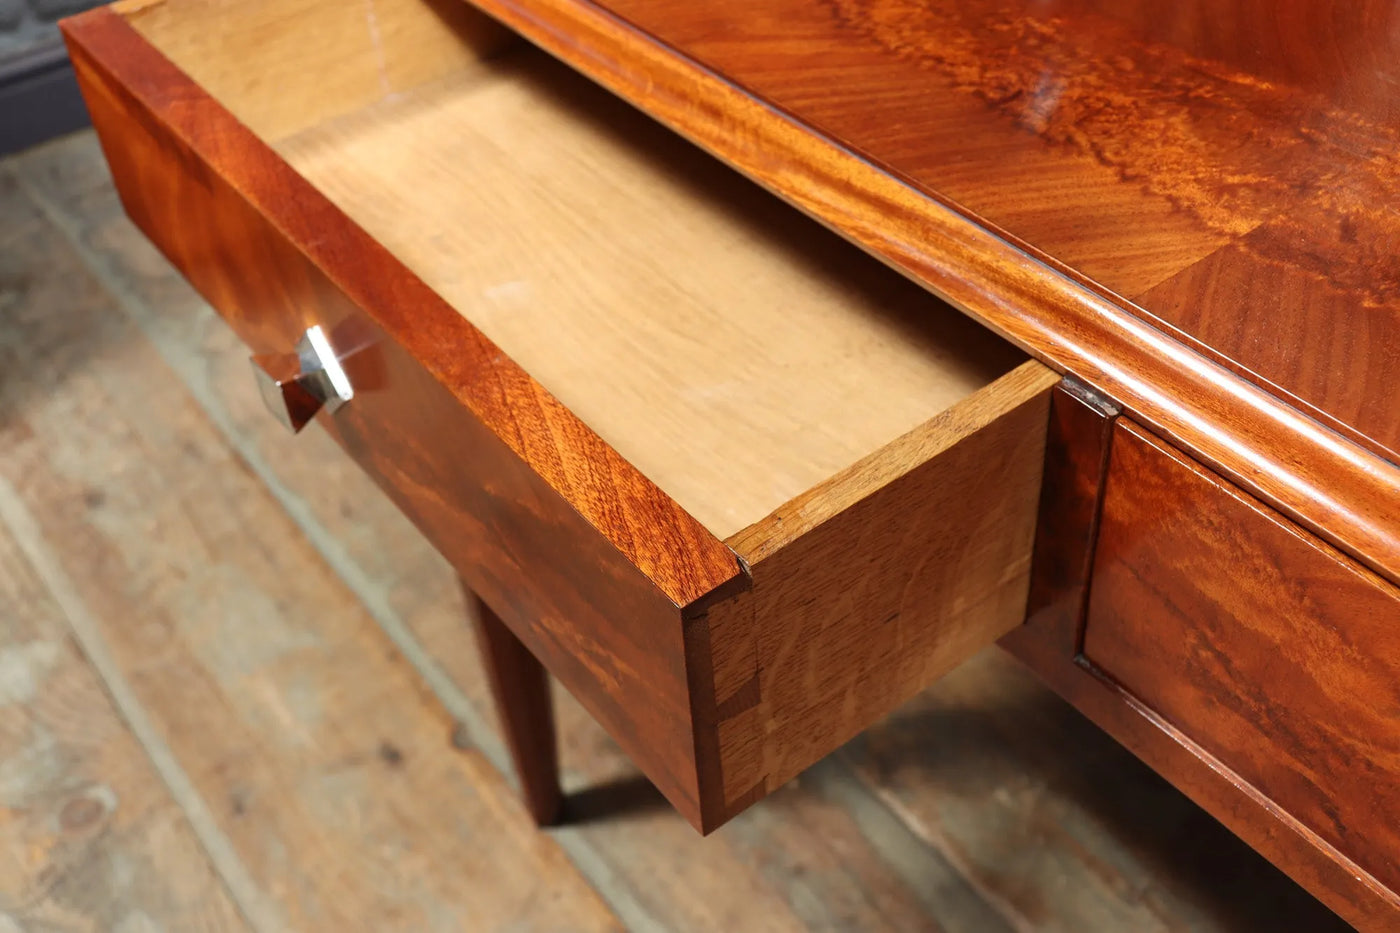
(295,386)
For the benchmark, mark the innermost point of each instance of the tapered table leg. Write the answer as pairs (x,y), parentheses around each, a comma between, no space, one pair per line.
(520,687)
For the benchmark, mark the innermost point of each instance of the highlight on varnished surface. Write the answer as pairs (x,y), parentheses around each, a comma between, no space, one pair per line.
(1287,389)
(1131,143)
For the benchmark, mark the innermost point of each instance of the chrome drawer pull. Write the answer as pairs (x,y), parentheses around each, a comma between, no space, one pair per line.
(295,386)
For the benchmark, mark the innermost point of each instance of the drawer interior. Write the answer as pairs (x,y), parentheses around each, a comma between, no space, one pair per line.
(736,352)
(871,457)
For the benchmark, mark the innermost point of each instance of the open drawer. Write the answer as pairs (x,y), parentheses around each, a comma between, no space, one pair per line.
(742,489)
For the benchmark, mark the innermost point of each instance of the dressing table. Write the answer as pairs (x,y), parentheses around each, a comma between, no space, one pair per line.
(756,363)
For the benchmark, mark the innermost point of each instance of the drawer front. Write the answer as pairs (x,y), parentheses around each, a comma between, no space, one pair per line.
(1276,655)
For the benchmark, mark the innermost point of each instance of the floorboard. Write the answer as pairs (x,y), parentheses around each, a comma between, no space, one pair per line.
(90,837)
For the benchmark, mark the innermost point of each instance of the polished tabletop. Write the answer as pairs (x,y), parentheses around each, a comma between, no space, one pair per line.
(1228,170)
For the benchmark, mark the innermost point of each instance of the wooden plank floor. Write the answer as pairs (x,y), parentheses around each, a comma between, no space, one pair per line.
(238,691)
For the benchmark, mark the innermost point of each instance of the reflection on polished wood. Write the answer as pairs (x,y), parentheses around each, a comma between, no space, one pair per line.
(1278,657)
(1132,143)
(1206,244)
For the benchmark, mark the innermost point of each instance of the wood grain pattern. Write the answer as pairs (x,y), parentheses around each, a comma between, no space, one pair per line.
(1049,644)
(1177,137)
(733,351)
(1200,775)
(151,115)
(828,110)
(254,58)
(1272,652)
(858,613)
(90,836)
(520,689)
(1328,482)
(1173,754)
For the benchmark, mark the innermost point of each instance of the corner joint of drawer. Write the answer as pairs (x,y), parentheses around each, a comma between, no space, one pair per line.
(698,609)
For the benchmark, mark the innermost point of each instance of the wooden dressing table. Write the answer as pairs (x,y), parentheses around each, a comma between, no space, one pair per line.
(744,489)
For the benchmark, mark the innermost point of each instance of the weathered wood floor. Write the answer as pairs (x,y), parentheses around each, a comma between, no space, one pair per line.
(237,691)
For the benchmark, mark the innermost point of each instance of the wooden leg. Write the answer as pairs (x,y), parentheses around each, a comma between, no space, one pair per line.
(520,687)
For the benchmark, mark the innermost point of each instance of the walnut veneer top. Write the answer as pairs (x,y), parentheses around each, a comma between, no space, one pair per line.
(1229,168)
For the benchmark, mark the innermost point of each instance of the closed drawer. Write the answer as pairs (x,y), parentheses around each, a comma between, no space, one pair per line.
(1272,652)
(741,489)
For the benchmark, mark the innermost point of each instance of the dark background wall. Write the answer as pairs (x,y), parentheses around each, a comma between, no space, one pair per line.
(38,98)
